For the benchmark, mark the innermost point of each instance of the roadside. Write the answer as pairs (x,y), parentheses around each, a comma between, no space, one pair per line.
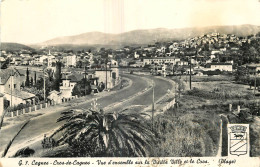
(34,142)
(162,101)
(45,128)
(11,121)
(212,96)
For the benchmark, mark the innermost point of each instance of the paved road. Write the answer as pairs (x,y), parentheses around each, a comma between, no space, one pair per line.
(160,89)
(45,123)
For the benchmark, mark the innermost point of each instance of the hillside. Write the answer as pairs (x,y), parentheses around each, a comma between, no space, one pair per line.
(142,37)
(14,46)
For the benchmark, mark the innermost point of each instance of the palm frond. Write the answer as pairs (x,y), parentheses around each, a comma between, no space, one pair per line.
(122,133)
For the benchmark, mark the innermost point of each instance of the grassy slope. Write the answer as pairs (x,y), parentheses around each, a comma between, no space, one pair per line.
(205,100)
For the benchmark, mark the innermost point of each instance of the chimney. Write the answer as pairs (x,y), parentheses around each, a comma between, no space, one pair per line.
(1,105)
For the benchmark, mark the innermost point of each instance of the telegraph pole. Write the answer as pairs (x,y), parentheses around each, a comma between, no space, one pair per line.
(255,85)
(85,82)
(190,72)
(12,74)
(153,108)
(44,94)
(106,73)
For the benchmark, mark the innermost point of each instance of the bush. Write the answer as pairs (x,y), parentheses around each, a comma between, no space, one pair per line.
(24,152)
(48,142)
(216,94)
(18,107)
(186,135)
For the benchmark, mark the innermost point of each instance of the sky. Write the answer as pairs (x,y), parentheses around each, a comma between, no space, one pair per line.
(35,21)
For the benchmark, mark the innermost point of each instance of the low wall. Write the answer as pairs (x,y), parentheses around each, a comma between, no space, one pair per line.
(168,105)
(36,107)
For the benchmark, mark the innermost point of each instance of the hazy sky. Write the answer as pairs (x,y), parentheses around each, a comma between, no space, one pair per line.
(32,21)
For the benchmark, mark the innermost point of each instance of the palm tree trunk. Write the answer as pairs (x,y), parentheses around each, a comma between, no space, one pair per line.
(12,140)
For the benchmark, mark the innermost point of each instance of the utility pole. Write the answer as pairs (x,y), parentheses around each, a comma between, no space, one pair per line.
(153,108)
(85,81)
(190,72)
(255,85)
(106,73)
(44,94)
(12,74)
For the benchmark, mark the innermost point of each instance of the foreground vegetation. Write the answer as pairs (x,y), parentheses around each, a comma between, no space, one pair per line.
(93,133)
(190,128)
(214,94)
(186,133)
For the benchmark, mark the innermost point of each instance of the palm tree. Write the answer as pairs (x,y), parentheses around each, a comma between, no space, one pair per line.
(95,133)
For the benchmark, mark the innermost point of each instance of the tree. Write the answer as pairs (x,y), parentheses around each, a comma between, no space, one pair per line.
(39,86)
(82,88)
(27,81)
(180,86)
(31,82)
(242,75)
(95,133)
(57,77)
(35,78)
(79,64)
(77,90)
(101,87)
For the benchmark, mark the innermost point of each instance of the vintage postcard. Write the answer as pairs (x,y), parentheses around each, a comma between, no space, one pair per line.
(130,83)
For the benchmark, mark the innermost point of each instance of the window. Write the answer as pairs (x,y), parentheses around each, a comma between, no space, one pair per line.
(14,86)
(9,85)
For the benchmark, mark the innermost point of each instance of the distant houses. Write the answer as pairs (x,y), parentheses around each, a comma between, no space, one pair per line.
(161,60)
(109,77)
(253,68)
(219,66)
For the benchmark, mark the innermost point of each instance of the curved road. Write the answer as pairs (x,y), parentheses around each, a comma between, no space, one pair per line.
(44,123)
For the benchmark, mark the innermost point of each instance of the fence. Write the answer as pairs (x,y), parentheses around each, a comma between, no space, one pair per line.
(36,107)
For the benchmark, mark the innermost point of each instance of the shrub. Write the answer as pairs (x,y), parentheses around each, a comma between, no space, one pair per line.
(24,152)
(186,135)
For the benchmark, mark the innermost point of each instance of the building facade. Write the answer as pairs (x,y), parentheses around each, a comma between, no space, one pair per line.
(161,60)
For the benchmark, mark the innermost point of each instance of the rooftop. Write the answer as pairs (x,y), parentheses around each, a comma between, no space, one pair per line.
(253,65)
(20,94)
(6,73)
(162,58)
(224,64)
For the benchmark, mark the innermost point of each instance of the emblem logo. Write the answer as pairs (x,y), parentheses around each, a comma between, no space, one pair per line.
(238,139)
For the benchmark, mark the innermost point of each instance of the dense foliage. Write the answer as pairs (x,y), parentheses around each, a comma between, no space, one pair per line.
(95,133)
(82,88)
(186,135)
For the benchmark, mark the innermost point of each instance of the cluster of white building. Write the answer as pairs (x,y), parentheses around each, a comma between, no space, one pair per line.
(108,76)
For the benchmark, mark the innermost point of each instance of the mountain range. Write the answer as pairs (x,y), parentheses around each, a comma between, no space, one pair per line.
(150,36)
(92,40)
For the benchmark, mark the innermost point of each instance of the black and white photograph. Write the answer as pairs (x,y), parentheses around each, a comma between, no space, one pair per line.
(119,80)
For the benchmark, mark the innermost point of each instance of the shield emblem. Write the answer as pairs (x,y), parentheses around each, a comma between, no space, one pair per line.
(238,143)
